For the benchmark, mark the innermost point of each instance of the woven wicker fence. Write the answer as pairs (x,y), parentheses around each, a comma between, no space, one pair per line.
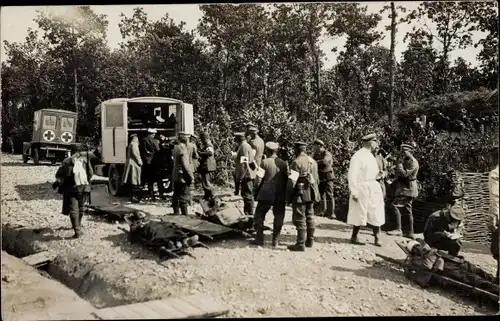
(476,198)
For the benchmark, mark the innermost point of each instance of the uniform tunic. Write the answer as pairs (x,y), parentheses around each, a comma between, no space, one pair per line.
(207,167)
(326,186)
(271,191)
(182,176)
(361,177)
(243,176)
(193,155)
(258,144)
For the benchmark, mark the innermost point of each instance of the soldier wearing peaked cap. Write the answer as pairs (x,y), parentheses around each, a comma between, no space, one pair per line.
(207,165)
(303,195)
(366,202)
(442,229)
(271,192)
(244,173)
(256,142)
(150,146)
(193,153)
(325,170)
(182,176)
(406,190)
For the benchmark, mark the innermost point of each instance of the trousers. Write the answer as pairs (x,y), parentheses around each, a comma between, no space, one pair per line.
(327,203)
(303,216)
(278,212)
(77,209)
(205,179)
(181,197)
(247,195)
(402,207)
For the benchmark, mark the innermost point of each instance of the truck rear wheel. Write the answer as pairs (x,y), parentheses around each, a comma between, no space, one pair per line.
(115,185)
(36,156)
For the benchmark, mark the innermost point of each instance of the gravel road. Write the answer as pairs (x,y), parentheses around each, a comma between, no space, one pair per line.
(334,278)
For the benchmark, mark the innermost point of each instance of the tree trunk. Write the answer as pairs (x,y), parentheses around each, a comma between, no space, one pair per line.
(75,93)
(393,63)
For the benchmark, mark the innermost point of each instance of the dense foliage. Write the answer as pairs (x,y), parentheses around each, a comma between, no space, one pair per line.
(263,63)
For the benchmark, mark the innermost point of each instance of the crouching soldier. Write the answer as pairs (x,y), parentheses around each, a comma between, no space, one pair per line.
(182,176)
(303,196)
(441,229)
(74,176)
(271,192)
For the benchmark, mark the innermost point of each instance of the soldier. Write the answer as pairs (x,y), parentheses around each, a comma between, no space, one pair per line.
(406,190)
(132,173)
(325,170)
(182,176)
(150,146)
(441,229)
(193,151)
(74,176)
(207,165)
(271,192)
(366,202)
(494,214)
(256,142)
(303,196)
(382,166)
(244,173)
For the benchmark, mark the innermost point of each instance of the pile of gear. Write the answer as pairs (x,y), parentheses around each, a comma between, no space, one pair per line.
(428,266)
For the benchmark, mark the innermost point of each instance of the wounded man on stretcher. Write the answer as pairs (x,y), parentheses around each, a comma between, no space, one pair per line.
(422,259)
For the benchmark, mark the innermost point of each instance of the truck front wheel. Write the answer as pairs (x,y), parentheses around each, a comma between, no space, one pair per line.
(115,185)
(36,156)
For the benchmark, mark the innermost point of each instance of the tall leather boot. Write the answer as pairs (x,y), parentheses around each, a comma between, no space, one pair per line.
(74,223)
(376,234)
(276,236)
(259,238)
(175,206)
(330,208)
(184,210)
(310,237)
(300,245)
(354,236)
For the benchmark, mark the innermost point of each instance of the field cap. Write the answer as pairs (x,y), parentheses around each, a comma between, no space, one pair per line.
(239,134)
(152,130)
(183,134)
(407,147)
(252,128)
(457,212)
(300,143)
(369,137)
(272,146)
(319,142)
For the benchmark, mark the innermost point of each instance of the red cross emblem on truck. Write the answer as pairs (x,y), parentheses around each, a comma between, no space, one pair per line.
(49,135)
(66,137)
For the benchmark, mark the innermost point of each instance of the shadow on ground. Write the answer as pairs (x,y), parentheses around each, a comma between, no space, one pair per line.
(37,192)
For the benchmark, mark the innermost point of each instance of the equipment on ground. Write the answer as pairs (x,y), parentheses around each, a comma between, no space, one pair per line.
(119,118)
(54,130)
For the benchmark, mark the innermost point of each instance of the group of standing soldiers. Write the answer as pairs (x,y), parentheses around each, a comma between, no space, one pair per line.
(158,158)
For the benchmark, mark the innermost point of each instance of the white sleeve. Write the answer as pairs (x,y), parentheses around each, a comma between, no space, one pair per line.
(352,175)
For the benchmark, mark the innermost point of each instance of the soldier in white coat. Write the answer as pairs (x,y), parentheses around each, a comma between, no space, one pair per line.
(366,201)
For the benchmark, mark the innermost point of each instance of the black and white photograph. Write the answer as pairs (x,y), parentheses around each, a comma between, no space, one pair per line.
(249,160)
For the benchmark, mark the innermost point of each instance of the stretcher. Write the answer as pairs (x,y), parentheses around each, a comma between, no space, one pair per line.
(441,279)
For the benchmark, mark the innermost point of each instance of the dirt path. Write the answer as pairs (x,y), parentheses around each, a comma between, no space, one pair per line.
(27,295)
(333,278)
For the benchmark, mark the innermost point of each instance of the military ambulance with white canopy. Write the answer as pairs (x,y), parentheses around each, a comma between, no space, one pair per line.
(119,118)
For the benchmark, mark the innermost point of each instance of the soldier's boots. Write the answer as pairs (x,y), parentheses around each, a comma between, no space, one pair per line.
(184,210)
(300,245)
(176,210)
(354,238)
(395,233)
(276,236)
(190,241)
(76,226)
(376,234)
(330,208)
(259,238)
(310,238)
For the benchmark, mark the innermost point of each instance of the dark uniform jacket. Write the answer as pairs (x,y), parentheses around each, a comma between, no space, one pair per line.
(242,170)
(436,226)
(306,189)
(258,144)
(207,159)
(182,171)
(193,155)
(150,146)
(406,181)
(325,166)
(272,187)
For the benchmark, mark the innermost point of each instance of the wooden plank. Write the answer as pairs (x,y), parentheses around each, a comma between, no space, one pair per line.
(145,311)
(165,310)
(190,310)
(107,314)
(39,258)
(211,307)
(128,313)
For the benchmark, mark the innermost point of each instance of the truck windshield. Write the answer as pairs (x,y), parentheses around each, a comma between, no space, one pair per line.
(49,122)
(67,124)
(151,115)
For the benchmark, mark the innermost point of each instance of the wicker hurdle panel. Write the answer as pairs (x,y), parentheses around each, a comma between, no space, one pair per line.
(476,199)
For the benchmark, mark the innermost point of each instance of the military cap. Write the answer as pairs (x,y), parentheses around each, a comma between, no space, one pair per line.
(457,211)
(300,144)
(252,128)
(272,146)
(407,147)
(183,134)
(369,137)
(133,135)
(319,142)
(239,134)
(152,130)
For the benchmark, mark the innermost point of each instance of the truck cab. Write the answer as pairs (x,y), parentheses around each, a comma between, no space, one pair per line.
(54,130)
(118,118)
